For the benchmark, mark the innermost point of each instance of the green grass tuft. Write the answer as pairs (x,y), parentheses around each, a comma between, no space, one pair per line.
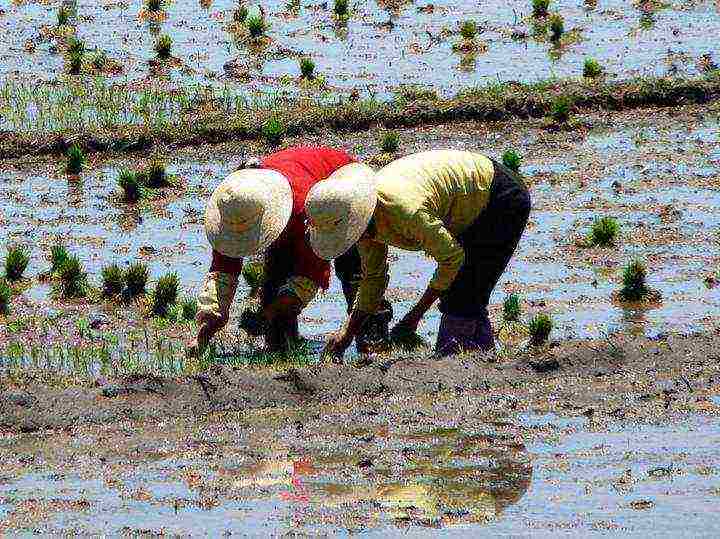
(557,27)
(273,131)
(511,308)
(604,231)
(560,109)
(75,61)
(129,183)
(390,141)
(307,68)
(5,295)
(155,175)
(240,14)
(74,160)
(16,262)
(341,8)
(155,5)
(540,327)
(58,257)
(74,45)
(256,25)
(99,60)
(73,279)
(512,160)
(113,280)
(634,286)
(165,294)
(189,308)
(163,46)
(63,15)
(136,277)
(540,8)
(592,69)
(254,275)
(468,30)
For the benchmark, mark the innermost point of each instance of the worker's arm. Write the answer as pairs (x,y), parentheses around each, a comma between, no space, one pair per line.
(449,255)
(373,256)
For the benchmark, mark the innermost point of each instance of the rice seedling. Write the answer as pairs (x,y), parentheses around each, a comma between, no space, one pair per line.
(74,160)
(540,328)
(189,308)
(58,257)
(560,109)
(273,131)
(254,275)
(63,15)
(130,185)
(75,61)
(240,14)
(406,340)
(557,27)
(592,69)
(468,30)
(540,8)
(136,277)
(256,26)
(16,262)
(512,160)
(113,280)
(307,68)
(155,175)
(74,45)
(604,231)
(163,47)
(390,141)
(154,5)
(634,286)
(165,294)
(73,279)
(5,295)
(341,8)
(511,308)
(99,60)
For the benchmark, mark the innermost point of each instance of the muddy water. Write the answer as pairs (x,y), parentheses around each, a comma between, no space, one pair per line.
(667,203)
(537,475)
(383,44)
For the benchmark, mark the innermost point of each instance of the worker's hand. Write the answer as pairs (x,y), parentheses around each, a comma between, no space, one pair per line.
(336,346)
(407,326)
(284,306)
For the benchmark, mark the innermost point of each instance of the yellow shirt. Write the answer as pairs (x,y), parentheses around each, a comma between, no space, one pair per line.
(425,201)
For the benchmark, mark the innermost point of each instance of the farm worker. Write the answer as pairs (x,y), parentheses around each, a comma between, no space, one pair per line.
(262,209)
(463,209)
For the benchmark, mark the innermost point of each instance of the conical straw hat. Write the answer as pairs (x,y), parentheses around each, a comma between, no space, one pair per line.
(248,211)
(339,209)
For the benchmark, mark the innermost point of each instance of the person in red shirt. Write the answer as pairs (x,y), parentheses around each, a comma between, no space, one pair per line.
(262,209)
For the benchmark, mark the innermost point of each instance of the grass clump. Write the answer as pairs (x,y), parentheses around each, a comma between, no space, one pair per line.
(254,275)
(560,109)
(74,45)
(592,68)
(113,280)
(512,160)
(16,262)
(163,47)
(74,160)
(390,141)
(540,8)
(256,26)
(155,175)
(130,185)
(511,308)
(75,61)
(63,15)
(73,279)
(154,5)
(165,294)
(136,277)
(557,27)
(307,68)
(240,14)
(341,9)
(99,60)
(604,231)
(273,131)
(468,30)
(634,286)
(540,327)
(58,257)
(189,308)
(5,295)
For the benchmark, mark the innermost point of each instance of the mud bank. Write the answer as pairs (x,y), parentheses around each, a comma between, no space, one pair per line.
(620,377)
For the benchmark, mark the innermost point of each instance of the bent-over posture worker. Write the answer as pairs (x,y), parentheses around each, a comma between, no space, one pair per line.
(463,209)
(258,210)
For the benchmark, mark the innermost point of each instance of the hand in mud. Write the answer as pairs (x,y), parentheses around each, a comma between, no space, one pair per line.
(406,326)
(335,347)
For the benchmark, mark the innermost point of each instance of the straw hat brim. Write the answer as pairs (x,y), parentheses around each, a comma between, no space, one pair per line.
(270,192)
(339,209)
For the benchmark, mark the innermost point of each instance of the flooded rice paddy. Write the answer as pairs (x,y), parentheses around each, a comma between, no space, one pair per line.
(381,45)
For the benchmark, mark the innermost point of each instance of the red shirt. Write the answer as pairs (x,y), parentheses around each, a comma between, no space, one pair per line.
(303,167)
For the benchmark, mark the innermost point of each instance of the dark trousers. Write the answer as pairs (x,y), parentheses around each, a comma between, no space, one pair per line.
(278,268)
(489,243)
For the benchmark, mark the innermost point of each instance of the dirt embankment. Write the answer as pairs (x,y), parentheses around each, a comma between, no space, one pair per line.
(624,377)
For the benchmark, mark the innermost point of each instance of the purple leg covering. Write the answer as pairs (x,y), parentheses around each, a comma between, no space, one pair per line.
(457,334)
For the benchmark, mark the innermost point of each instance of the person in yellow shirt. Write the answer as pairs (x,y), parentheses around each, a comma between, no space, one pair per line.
(463,209)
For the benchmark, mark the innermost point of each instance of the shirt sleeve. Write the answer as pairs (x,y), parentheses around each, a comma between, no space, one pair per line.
(439,244)
(301,287)
(375,275)
(217,295)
